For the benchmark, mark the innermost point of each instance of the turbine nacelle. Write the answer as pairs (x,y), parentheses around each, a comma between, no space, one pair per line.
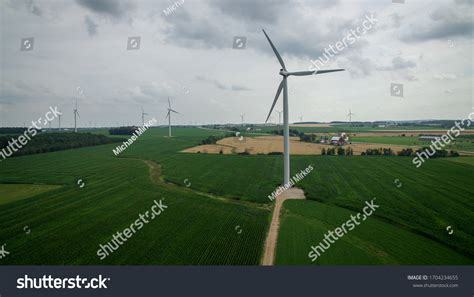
(283,72)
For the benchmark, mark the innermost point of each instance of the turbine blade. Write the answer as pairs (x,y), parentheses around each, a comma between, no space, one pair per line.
(275,51)
(327,71)
(169,103)
(280,87)
(174,111)
(78,114)
(168,114)
(301,73)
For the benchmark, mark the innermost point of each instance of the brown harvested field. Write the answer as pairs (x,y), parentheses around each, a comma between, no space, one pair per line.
(268,144)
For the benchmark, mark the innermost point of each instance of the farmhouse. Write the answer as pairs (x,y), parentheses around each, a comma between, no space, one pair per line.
(428,137)
(338,140)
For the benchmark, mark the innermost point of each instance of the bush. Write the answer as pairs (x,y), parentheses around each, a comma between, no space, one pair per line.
(453,154)
(275,153)
(331,151)
(122,131)
(387,152)
(405,152)
(246,152)
(323,151)
(341,151)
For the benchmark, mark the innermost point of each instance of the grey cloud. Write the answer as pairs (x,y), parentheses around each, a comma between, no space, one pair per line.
(445,76)
(33,8)
(217,29)
(112,8)
(357,66)
(397,20)
(398,63)
(445,23)
(90,25)
(190,31)
(464,2)
(253,11)
(220,85)
(29,5)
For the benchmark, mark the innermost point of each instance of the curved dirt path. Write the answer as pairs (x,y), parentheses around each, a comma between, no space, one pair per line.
(272,236)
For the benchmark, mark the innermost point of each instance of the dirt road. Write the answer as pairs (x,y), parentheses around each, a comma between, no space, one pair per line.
(272,236)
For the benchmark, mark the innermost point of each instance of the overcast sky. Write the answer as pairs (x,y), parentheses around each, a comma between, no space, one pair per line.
(80,52)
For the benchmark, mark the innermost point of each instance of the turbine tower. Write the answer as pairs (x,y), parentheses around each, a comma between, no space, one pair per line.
(59,119)
(284,86)
(143,117)
(350,114)
(76,114)
(168,115)
(279,117)
(242,116)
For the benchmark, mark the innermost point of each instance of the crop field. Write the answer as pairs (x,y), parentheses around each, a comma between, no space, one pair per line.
(430,198)
(13,192)
(218,210)
(68,224)
(457,144)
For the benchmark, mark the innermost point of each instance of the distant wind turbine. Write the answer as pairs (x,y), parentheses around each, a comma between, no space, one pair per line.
(76,114)
(242,116)
(279,117)
(143,116)
(350,114)
(284,86)
(59,119)
(168,115)
(301,119)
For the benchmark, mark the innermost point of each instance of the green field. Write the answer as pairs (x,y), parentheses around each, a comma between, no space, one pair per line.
(13,192)
(458,144)
(211,197)
(408,140)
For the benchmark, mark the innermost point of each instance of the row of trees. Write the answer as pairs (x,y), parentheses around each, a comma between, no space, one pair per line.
(214,139)
(293,132)
(13,130)
(122,130)
(340,151)
(50,142)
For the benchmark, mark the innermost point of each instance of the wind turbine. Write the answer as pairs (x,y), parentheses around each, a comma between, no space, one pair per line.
(284,86)
(168,115)
(143,116)
(59,118)
(279,117)
(301,119)
(242,116)
(76,114)
(350,114)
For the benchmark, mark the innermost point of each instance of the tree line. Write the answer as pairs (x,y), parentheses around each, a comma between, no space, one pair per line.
(51,142)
